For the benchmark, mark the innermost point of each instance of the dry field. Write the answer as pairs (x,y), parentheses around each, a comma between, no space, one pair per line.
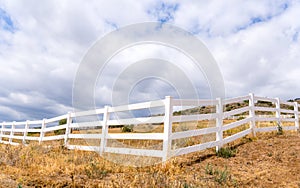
(269,160)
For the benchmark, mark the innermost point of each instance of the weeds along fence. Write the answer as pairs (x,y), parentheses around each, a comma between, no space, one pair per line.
(257,114)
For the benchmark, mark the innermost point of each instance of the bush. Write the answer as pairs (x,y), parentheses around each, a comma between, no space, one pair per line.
(177,113)
(127,128)
(226,152)
(61,131)
(95,170)
(229,108)
(279,129)
(220,176)
(209,169)
(240,118)
(246,101)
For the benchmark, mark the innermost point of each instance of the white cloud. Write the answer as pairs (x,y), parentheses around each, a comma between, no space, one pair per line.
(256,44)
(260,58)
(215,18)
(51,38)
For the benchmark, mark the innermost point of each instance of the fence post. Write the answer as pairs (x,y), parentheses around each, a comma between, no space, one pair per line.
(25,132)
(68,129)
(252,114)
(296,115)
(1,133)
(167,142)
(42,133)
(278,111)
(219,124)
(12,132)
(104,130)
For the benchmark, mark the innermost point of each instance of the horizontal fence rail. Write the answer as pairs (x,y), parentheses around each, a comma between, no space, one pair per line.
(252,113)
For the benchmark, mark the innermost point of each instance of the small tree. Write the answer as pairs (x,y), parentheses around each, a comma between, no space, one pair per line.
(61,131)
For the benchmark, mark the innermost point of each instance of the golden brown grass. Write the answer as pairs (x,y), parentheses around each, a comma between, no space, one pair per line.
(38,165)
(266,161)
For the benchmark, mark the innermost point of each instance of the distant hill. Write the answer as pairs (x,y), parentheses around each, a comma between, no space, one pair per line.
(232,106)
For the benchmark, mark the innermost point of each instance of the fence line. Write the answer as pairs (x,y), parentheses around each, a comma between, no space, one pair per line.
(16,133)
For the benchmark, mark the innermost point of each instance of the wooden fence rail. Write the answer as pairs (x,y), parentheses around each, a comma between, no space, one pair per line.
(16,133)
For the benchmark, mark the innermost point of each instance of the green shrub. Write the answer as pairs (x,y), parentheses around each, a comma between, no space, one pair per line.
(220,176)
(226,152)
(61,131)
(246,101)
(279,129)
(209,169)
(62,122)
(228,108)
(127,128)
(177,113)
(95,170)
(240,118)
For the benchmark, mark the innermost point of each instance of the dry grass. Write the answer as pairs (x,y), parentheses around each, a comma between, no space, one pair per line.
(266,161)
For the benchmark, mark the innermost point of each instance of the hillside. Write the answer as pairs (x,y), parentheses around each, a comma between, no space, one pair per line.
(269,160)
(233,106)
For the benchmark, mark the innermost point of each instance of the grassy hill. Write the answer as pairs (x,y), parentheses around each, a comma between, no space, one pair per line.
(269,160)
(232,106)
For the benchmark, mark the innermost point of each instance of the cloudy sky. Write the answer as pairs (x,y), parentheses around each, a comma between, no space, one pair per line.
(255,43)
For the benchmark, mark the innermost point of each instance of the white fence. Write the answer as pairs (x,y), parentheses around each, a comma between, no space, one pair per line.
(29,131)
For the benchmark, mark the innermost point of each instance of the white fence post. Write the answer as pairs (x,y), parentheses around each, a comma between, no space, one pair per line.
(1,133)
(278,111)
(12,132)
(252,113)
(167,142)
(25,132)
(296,115)
(68,129)
(219,124)
(42,133)
(104,130)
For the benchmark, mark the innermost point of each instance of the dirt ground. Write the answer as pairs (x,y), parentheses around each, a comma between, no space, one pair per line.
(268,160)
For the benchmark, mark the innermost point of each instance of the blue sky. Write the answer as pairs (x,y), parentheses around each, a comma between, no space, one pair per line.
(255,43)
(6,22)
